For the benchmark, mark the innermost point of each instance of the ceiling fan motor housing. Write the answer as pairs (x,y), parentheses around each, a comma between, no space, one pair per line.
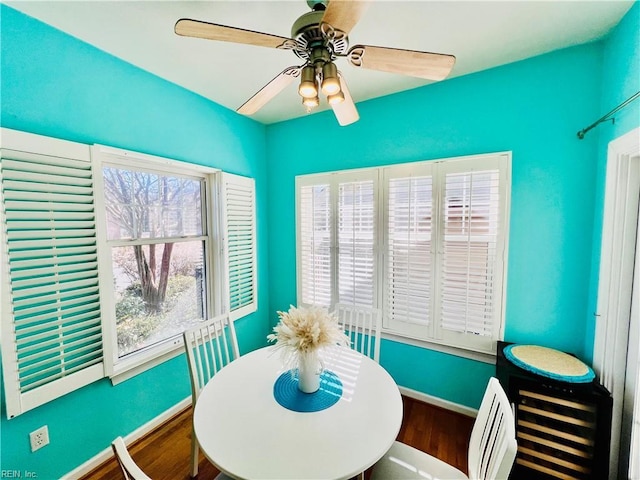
(312,36)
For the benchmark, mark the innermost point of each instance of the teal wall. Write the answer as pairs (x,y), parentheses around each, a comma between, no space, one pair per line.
(534,109)
(620,80)
(55,85)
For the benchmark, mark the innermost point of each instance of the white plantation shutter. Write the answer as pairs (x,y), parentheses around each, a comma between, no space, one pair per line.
(337,238)
(470,213)
(440,273)
(51,329)
(356,232)
(471,252)
(408,209)
(314,240)
(239,219)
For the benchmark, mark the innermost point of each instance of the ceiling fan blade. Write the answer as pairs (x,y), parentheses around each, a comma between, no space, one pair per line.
(432,66)
(344,14)
(345,111)
(270,90)
(212,31)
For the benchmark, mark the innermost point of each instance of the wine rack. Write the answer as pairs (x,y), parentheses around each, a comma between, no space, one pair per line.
(563,429)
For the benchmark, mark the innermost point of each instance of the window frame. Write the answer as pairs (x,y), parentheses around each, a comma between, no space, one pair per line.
(120,369)
(430,336)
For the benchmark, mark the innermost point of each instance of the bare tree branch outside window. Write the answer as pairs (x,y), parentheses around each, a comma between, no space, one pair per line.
(147,208)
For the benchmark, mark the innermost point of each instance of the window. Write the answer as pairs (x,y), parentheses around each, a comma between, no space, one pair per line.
(409,249)
(356,242)
(157,239)
(106,256)
(434,233)
(337,239)
(178,247)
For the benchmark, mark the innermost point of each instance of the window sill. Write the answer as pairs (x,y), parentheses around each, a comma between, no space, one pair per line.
(146,360)
(437,347)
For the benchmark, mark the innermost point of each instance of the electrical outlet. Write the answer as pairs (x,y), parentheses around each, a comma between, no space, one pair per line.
(39,438)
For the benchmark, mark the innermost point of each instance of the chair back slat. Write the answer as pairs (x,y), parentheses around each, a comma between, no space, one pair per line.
(491,440)
(130,470)
(222,342)
(492,448)
(215,335)
(362,326)
(209,346)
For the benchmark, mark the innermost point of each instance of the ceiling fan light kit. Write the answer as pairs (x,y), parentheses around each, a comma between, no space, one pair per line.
(308,87)
(330,82)
(311,102)
(319,38)
(335,98)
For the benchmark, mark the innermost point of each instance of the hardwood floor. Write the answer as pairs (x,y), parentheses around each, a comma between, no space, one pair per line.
(164,453)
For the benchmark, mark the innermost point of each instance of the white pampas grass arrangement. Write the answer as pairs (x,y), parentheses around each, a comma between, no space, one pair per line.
(303,332)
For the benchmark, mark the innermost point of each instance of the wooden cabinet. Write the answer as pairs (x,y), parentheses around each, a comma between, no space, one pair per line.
(563,429)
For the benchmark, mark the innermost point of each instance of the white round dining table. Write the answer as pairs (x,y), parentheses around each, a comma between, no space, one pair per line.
(247,434)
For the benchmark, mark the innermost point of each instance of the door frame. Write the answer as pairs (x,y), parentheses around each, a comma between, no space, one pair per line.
(618,250)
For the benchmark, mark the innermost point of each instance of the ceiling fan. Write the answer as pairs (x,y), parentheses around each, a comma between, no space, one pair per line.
(318,38)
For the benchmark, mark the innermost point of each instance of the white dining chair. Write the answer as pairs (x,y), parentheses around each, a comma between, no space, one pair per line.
(209,346)
(130,470)
(492,447)
(362,326)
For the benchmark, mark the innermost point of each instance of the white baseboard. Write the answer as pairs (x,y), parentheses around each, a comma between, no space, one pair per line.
(138,433)
(439,402)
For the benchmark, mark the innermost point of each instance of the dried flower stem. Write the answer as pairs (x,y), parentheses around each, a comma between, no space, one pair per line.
(303,332)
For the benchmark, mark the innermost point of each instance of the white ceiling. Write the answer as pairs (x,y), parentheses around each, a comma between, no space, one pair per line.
(480,34)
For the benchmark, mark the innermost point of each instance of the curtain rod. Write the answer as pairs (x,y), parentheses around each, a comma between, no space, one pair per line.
(608,115)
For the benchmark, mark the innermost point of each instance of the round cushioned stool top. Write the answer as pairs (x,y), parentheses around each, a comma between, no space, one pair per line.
(549,363)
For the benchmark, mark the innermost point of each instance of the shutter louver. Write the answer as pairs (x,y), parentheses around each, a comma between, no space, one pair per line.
(356,236)
(315,238)
(471,223)
(409,261)
(52,264)
(239,199)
